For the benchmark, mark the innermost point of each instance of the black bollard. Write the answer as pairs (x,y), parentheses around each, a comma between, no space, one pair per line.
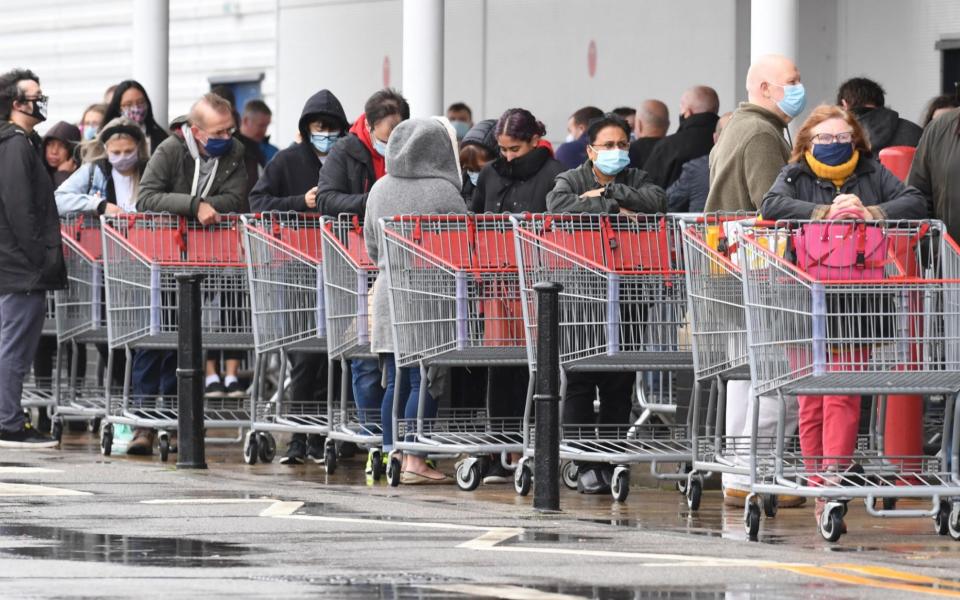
(192,452)
(546,466)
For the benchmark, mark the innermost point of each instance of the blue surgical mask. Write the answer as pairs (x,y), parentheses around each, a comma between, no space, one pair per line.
(611,162)
(833,154)
(461,127)
(474,176)
(89,132)
(323,142)
(380,147)
(794,99)
(217,147)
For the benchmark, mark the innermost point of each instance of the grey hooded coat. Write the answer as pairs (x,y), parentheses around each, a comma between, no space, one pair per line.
(422,177)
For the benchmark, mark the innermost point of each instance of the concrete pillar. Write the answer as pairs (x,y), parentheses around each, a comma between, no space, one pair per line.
(773,28)
(151,52)
(423,56)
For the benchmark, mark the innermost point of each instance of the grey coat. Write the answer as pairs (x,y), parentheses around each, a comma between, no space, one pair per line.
(631,189)
(422,178)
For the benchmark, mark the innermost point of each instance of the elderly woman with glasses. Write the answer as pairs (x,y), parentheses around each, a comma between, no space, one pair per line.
(604,184)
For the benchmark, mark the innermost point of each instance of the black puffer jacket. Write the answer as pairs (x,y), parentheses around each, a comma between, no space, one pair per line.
(294,170)
(799,194)
(885,128)
(517,186)
(694,138)
(346,178)
(31,254)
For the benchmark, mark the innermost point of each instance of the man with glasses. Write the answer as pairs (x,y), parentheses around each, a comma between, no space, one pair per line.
(31,256)
(200,176)
(604,185)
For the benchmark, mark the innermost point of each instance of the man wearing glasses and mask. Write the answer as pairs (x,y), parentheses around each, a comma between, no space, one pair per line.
(31,256)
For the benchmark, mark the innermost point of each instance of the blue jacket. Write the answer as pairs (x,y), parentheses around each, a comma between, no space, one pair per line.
(689,192)
(573,154)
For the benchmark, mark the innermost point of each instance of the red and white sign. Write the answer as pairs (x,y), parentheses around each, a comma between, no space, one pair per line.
(386,71)
(592,59)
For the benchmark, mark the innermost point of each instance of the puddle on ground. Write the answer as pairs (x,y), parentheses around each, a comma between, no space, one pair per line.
(544,536)
(57,543)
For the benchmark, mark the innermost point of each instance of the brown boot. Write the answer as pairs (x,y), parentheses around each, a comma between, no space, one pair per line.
(142,443)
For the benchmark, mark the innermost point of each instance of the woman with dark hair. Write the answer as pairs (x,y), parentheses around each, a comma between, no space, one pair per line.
(832,173)
(524,173)
(477,148)
(130,100)
(938,106)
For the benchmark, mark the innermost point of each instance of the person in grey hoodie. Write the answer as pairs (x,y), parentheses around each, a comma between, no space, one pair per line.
(423,177)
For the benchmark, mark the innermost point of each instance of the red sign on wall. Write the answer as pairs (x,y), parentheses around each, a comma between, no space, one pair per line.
(592,58)
(386,71)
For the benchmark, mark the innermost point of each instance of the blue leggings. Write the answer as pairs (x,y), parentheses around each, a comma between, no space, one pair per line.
(409,399)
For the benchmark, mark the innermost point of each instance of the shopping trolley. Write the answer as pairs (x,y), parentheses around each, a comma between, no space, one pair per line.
(142,254)
(454,302)
(884,320)
(80,318)
(622,309)
(283,251)
(348,277)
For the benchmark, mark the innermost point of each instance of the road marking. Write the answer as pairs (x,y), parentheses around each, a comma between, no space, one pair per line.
(22,489)
(505,592)
(26,470)
(492,537)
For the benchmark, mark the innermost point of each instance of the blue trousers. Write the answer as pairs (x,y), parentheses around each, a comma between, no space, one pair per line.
(409,399)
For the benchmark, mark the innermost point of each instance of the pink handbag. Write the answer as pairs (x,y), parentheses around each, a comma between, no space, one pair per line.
(841,251)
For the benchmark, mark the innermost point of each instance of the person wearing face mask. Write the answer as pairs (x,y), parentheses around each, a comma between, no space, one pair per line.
(461,118)
(59,146)
(130,100)
(831,172)
(605,183)
(477,148)
(31,253)
(200,177)
(289,183)
(744,163)
(573,151)
(356,161)
(91,121)
(694,138)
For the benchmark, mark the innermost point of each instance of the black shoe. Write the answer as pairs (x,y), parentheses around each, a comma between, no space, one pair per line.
(215,390)
(496,473)
(235,390)
(28,437)
(315,448)
(591,480)
(296,450)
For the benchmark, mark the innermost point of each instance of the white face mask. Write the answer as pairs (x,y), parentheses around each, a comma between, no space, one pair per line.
(569,138)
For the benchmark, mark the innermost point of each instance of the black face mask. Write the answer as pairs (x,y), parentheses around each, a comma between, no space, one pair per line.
(39,107)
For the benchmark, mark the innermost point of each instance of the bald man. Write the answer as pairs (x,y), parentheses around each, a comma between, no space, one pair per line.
(743,166)
(651,125)
(745,163)
(694,138)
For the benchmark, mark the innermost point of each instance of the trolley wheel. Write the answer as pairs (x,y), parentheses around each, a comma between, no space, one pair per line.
(267,447)
(770,504)
(56,430)
(393,471)
(953,525)
(468,475)
(751,521)
(620,486)
(831,523)
(682,483)
(941,522)
(250,453)
(569,473)
(522,479)
(330,457)
(163,444)
(694,493)
(106,439)
(889,504)
(376,464)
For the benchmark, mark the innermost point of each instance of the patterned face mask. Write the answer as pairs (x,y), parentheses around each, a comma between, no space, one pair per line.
(136,113)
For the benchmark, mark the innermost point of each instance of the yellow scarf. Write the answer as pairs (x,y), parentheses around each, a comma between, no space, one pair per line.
(837,174)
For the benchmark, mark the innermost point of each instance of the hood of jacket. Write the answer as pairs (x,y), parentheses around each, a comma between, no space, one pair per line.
(324,104)
(881,124)
(8,130)
(423,148)
(63,131)
(482,134)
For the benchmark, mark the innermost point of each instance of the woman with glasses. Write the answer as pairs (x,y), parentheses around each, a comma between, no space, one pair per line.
(130,100)
(832,172)
(604,184)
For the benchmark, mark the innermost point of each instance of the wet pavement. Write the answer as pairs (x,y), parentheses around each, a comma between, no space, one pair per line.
(74,524)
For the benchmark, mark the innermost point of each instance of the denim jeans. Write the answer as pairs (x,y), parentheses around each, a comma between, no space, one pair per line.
(367,393)
(154,374)
(409,399)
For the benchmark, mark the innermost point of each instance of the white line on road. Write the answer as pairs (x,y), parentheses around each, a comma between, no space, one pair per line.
(22,489)
(26,470)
